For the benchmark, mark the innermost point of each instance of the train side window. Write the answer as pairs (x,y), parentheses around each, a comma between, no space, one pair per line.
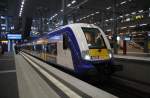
(52,48)
(39,48)
(65,41)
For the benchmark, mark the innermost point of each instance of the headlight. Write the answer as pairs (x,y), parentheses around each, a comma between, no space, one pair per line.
(85,55)
(110,54)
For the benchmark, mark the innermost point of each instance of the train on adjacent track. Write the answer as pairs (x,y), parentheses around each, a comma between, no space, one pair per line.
(81,48)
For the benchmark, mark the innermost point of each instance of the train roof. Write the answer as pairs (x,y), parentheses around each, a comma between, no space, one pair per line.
(74,25)
(62,27)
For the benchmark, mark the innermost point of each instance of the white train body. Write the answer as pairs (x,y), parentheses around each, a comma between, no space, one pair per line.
(79,47)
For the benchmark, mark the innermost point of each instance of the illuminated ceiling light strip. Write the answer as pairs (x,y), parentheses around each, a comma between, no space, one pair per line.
(111,19)
(108,8)
(143,24)
(62,10)
(133,13)
(106,20)
(140,11)
(23,2)
(123,2)
(21,7)
(73,2)
(97,12)
(53,16)
(68,5)
(123,27)
(121,16)
(127,14)
(92,14)
(132,26)
(88,16)
(108,30)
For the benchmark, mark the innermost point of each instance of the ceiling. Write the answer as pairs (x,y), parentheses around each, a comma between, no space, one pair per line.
(47,8)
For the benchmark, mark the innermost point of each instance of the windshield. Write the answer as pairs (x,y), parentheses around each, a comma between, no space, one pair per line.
(94,38)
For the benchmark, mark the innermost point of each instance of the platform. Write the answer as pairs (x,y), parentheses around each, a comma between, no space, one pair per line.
(134,56)
(136,70)
(37,79)
(8,78)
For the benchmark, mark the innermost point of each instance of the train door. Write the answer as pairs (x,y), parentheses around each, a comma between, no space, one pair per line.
(64,56)
(51,52)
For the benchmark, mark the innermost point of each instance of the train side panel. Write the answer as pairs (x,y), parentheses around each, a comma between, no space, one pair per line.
(64,57)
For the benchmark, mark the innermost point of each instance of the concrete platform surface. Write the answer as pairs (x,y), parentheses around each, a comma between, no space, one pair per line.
(8,79)
(37,79)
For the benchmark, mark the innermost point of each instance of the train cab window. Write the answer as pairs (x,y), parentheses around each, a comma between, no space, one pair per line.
(94,38)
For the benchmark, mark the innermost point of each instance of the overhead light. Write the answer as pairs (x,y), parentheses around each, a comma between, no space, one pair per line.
(106,20)
(61,10)
(55,14)
(2,17)
(110,19)
(97,12)
(127,14)
(68,5)
(121,16)
(84,17)
(123,27)
(92,14)
(132,26)
(74,1)
(133,13)
(123,2)
(3,25)
(140,11)
(143,24)
(21,7)
(108,30)
(88,16)
(108,8)
(22,2)
(128,19)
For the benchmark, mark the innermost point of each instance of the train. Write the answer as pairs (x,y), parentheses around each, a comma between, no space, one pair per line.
(80,47)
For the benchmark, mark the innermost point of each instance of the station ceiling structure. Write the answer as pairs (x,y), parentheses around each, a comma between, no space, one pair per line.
(81,9)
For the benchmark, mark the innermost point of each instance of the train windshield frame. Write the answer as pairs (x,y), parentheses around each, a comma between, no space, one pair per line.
(94,38)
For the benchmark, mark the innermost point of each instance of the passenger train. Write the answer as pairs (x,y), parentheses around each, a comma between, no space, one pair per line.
(81,48)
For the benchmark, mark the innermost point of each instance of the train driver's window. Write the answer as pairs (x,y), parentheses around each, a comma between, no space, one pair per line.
(94,38)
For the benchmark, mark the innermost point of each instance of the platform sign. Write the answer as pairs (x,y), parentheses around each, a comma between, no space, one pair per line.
(14,36)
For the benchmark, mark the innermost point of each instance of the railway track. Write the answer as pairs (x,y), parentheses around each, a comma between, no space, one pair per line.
(121,90)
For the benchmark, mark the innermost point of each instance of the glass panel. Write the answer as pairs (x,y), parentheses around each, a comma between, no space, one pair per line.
(52,48)
(94,38)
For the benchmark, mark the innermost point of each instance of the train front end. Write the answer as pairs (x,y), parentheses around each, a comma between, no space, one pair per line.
(96,54)
(99,53)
